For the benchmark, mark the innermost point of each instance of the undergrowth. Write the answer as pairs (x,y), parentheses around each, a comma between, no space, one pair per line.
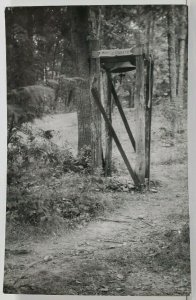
(48,187)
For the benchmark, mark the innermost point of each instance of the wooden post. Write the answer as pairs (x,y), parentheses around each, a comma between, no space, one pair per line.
(140,119)
(96,144)
(118,104)
(96,97)
(108,137)
(148,116)
(149,90)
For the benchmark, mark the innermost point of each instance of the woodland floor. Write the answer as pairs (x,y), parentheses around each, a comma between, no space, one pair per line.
(130,251)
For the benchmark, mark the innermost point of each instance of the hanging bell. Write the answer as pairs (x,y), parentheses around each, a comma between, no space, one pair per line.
(122,67)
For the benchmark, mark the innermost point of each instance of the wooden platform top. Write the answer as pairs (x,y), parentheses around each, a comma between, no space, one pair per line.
(135,50)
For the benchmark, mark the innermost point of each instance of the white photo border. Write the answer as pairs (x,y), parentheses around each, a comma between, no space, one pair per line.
(191,135)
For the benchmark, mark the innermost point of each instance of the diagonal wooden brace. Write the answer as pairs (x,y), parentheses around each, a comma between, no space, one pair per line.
(96,97)
(118,104)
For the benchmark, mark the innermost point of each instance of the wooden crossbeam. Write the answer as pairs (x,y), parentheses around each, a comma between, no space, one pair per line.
(96,97)
(135,50)
(118,104)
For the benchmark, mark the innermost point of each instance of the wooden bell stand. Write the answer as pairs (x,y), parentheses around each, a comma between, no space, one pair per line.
(115,61)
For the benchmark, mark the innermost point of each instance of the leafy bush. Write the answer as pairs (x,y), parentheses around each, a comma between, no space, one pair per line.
(31,101)
(39,191)
(50,200)
(27,103)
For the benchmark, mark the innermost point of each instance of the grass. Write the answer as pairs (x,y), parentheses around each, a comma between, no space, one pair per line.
(154,260)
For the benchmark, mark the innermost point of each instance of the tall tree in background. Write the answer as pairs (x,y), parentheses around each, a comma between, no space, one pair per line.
(150,25)
(19,38)
(172,52)
(48,42)
(182,56)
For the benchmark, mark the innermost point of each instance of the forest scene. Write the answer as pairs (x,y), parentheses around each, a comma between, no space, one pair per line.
(97,179)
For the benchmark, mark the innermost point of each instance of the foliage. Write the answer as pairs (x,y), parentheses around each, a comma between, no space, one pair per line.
(36,183)
(34,101)
(26,104)
(39,45)
(35,42)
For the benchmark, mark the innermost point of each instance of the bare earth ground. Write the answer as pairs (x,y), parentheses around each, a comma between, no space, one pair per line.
(119,253)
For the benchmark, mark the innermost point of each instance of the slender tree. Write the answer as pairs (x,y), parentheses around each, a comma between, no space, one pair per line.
(172,52)
(182,51)
(150,24)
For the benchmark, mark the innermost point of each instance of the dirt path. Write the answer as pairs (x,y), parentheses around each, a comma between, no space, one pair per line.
(114,255)
(111,256)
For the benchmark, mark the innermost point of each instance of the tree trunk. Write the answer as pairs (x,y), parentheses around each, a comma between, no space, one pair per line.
(172,53)
(150,23)
(148,31)
(54,58)
(172,67)
(79,16)
(85,39)
(182,49)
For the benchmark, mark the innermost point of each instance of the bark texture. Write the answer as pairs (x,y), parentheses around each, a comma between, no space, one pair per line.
(182,51)
(80,70)
(85,39)
(172,53)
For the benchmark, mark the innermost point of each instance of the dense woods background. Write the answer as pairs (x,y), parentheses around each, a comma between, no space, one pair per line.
(41,50)
(55,173)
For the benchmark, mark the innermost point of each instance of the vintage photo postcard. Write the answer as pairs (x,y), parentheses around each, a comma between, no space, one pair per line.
(97,180)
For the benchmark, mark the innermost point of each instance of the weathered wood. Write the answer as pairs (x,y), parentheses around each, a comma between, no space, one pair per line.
(150,115)
(109,61)
(96,97)
(108,136)
(96,143)
(135,50)
(140,119)
(149,92)
(118,104)
(147,127)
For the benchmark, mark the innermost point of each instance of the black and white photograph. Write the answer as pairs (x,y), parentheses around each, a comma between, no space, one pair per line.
(97,162)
